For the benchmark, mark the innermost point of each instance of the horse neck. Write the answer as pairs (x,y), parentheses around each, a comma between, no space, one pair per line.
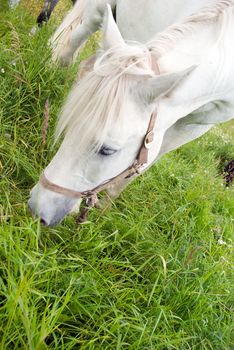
(208,47)
(169,12)
(191,48)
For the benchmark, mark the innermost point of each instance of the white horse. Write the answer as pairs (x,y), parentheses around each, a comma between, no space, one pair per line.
(184,73)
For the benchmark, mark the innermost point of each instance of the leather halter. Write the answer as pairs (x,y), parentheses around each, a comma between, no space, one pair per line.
(91,195)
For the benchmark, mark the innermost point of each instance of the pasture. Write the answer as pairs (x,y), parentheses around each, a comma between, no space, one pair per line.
(153,272)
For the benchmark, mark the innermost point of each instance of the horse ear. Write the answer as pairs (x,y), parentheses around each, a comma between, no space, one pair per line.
(111,34)
(161,85)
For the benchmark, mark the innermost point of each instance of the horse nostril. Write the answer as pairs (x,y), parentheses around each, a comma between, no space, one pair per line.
(43,222)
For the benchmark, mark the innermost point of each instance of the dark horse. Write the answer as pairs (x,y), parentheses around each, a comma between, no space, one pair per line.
(47,10)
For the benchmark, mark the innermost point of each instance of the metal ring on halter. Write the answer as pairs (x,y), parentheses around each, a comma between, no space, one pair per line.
(149,139)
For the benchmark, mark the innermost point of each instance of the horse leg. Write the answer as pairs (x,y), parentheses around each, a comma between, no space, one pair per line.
(46,12)
(79,37)
(92,19)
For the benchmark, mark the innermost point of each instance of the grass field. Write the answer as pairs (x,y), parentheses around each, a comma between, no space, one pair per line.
(154,272)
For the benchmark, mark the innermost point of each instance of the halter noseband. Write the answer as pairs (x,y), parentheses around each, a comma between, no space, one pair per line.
(91,195)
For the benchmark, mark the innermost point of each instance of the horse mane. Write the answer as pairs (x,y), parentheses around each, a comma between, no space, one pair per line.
(98,100)
(208,14)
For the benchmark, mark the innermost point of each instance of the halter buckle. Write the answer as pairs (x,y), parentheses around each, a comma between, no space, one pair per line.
(149,138)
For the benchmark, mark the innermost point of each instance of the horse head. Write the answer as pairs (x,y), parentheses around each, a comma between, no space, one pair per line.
(104,122)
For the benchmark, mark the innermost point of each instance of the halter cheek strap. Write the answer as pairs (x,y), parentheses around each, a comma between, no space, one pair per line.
(91,195)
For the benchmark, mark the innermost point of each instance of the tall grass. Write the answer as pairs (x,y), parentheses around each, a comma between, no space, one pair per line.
(154,272)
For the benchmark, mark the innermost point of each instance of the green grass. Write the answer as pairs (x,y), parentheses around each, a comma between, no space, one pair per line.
(148,274)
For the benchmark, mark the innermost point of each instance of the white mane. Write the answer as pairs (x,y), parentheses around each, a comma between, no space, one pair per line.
(97,101)
(165,40)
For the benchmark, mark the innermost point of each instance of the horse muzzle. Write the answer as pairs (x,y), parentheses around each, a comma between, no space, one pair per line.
(50,207)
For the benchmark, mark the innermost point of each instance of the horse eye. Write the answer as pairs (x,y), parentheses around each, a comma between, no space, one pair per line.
(107,151)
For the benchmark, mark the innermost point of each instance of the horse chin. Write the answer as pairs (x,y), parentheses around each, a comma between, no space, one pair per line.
(76,208)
